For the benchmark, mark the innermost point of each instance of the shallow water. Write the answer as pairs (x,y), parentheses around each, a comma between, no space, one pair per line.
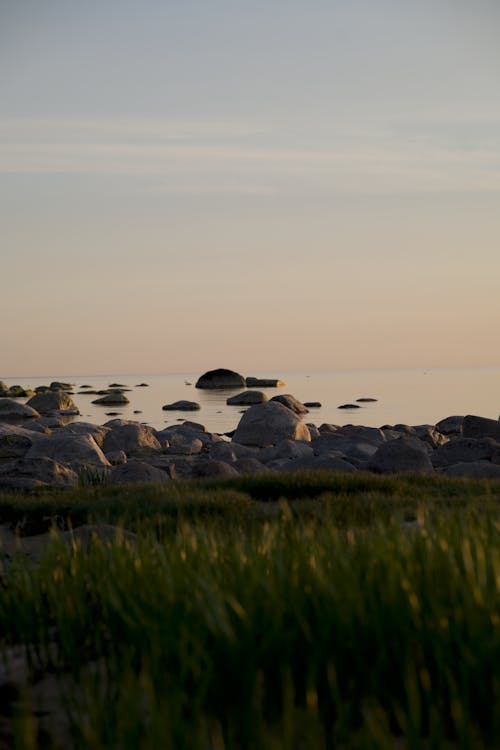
(403,396)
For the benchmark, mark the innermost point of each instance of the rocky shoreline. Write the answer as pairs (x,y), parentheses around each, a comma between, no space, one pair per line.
(39,448)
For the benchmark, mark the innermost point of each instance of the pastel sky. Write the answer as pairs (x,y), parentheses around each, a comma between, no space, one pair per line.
(266,185)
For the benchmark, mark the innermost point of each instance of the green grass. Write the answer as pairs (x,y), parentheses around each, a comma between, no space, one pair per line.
(296,613)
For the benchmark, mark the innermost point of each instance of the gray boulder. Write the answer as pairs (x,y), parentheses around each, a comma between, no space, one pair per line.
(221,378)
(77,451)
(249,466)
(406,454)
(30,473)
(14,446)
(116,458)
(430,435)
(182,405)
(10,409)
(53,402)
(188,433)
(328,427)
(352,447)
(187,444)
(266,424)
(450,425)
(212,468)
(480,427)
(291,449)
(132,437)
(229,452)
(98,432)
(465,450)
(291,403)
(137,471)
(247,398)
(372,435)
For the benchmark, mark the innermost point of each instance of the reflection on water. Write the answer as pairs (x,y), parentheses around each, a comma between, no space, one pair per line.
(404,396)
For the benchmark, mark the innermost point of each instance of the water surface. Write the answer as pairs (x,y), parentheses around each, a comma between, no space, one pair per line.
(403,396)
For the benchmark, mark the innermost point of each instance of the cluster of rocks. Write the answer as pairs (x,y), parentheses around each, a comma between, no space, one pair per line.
(18,391)
(38,448)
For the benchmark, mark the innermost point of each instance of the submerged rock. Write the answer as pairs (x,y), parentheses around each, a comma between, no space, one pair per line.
(247,398)
(182,405)
(112,399)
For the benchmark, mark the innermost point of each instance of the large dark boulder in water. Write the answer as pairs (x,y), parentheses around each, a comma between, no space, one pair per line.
(221,378)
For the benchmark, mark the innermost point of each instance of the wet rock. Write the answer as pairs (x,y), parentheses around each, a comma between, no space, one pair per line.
(366,400)
(312,404)
(349,406)
(221,378)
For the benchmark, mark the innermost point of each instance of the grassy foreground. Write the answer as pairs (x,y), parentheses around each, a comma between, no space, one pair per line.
(311,611)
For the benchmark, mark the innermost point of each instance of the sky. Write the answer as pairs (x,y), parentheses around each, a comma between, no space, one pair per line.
(267,186)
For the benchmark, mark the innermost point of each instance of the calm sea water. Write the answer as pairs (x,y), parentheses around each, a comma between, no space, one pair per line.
(404,396)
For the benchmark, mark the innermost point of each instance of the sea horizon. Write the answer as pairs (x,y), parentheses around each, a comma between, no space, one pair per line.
(403,395)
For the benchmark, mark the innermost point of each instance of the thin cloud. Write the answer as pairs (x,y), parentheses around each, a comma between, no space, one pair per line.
(363,162)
